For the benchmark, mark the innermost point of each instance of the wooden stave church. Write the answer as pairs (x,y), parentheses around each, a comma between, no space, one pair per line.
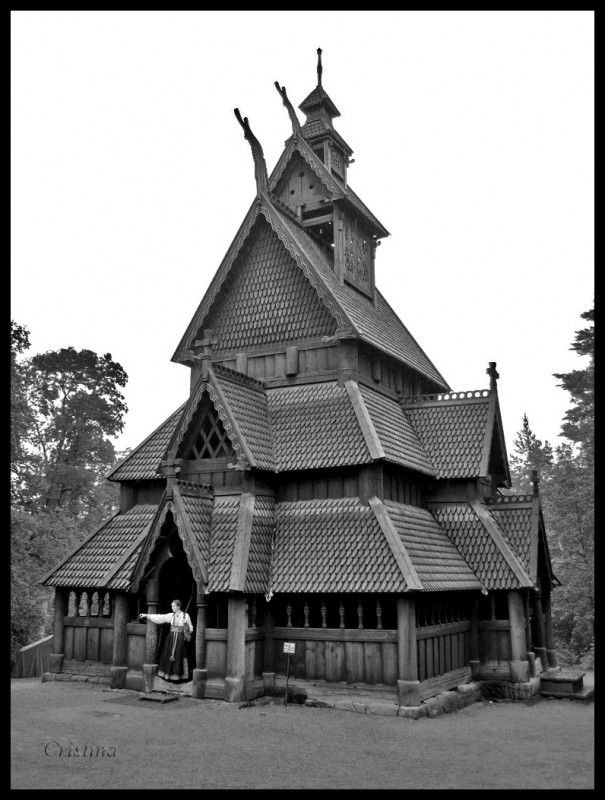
(322,485)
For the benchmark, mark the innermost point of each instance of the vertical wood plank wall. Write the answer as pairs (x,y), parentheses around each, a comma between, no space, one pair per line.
(442,648)
(88,639)
(350,655)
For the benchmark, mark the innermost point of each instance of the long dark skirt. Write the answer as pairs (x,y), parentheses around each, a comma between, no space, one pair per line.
(174,664)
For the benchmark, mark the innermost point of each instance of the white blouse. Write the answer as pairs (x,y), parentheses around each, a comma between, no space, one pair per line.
(178,618)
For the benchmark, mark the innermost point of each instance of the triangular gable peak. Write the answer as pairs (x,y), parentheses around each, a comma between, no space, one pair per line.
(257,277)
(208,429)
(173,503)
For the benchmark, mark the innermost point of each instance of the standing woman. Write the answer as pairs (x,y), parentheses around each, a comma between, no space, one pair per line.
(174,665)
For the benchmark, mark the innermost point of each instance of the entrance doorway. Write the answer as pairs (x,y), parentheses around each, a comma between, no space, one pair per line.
(176,581)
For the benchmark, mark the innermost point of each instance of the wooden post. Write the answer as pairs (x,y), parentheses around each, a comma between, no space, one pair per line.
(269,624)
(235,681)
(550,643)
(120,642)
(475,662)
(519,666)
(151,634)
(56,658)
(539,647)
(200,673)
(408,685)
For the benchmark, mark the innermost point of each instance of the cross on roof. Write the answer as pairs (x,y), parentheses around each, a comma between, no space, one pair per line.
(493,374)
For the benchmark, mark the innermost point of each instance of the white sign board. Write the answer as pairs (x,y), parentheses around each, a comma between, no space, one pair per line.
(289,647)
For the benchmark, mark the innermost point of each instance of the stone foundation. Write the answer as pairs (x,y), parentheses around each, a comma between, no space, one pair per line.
(64,676)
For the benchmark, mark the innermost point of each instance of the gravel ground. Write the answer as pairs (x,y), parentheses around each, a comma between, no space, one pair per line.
(208,744)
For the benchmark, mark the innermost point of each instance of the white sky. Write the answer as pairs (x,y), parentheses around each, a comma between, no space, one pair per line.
(473,134)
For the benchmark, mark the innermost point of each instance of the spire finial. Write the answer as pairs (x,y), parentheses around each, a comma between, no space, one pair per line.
(319,67)
(535,479)
(493,375)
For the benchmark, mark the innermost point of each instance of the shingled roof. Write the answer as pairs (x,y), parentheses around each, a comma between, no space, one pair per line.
(222,541)
(478,537)
(143,462)
(258,572)
(455,430)
(105,559)
(332,546)
(248,403)
(395,434)
(439,565)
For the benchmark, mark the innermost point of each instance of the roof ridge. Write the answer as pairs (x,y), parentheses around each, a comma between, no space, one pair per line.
(239,377)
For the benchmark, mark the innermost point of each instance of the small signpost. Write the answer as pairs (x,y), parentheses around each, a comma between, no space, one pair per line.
(289,647)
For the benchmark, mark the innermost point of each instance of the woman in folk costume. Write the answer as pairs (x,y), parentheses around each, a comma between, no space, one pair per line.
(174,665)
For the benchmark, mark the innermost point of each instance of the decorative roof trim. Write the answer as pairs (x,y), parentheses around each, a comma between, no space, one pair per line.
(445,397)
(196,562)
(238,440)
(241,549)
(78,548)
(509,499)
(397,547)
(487,437)
(180,354)
(500,429)
(221,371)
(125,556)
(512,559)
(176,507)
(365,420)
(152,535)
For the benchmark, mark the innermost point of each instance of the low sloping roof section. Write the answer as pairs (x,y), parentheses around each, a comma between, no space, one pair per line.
(143,462)
(102,560)
(459,432)
(482,543)
(521,521)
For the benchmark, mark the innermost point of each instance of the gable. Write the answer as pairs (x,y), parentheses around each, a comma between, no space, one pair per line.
(205,436)
(267,299)
(299,184)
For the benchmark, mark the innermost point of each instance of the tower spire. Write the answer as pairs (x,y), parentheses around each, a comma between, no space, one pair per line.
(319,67)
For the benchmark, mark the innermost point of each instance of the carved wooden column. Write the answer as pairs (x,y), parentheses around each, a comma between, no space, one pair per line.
(150,667)
(120,641)
(538,630)
(56,657)
(408,685)
(200,673)
(519,666)
(235,681)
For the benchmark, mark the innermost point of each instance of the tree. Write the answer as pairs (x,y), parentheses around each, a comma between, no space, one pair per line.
(529,454)
(75,405)
(567,496)
(65,406)
(578,426)
(21,420)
